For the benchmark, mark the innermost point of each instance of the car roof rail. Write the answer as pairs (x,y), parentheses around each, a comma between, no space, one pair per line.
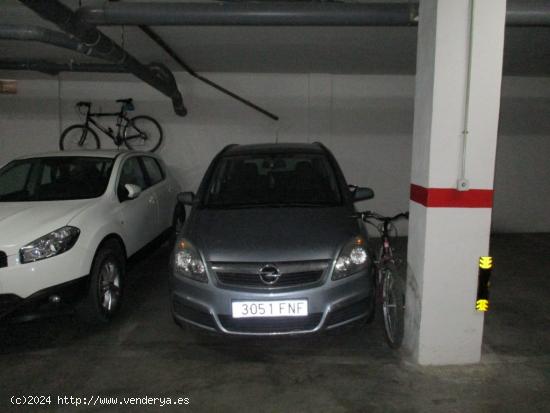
(319,144)
(227,147)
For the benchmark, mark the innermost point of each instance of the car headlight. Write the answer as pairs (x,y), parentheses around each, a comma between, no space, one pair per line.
(188,262)
(50,245)
(352,258)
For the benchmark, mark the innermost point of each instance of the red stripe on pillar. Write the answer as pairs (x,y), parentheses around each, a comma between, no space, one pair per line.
(451,198)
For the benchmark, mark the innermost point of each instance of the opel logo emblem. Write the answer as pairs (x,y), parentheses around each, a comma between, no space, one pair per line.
(269,274)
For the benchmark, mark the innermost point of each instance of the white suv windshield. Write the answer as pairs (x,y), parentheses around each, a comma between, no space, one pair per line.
(300,179)
(54,178)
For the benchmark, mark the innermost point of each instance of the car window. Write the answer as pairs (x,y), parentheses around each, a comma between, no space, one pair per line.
(131,173)
(153,170)
(47,175)
(54,178)
(299,179)
(14,178)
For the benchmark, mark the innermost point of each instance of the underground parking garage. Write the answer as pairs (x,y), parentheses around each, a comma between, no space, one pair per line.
(207,244)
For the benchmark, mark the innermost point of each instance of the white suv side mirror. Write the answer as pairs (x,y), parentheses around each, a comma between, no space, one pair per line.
(133,191)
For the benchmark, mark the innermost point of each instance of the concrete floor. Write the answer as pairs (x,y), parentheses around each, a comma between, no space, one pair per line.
(143,353)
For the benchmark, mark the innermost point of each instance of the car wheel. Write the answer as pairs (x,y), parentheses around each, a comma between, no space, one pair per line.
(372,311)
(372,305)
(369,317)
(104,294)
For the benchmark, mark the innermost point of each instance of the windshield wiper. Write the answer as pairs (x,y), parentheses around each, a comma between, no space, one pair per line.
(271,205)
(303,205)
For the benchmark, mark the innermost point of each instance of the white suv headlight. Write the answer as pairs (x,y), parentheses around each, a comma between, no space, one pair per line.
(352,258)
(188,262)
(50,245)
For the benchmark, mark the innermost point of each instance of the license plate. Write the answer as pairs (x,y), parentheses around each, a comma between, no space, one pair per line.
(283,308)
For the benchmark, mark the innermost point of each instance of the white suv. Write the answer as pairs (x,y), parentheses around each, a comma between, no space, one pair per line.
(69,221)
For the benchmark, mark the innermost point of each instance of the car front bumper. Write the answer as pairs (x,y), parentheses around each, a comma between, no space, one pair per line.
(24,287)
(24,280)
(13,307)
(331,304)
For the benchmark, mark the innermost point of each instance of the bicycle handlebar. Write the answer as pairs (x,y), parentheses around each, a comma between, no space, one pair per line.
(88,104)
(371,214)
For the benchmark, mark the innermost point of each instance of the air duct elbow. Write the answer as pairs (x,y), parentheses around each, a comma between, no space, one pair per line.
(179,107)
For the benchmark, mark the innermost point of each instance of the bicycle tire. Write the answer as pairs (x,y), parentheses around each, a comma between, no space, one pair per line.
(65,138)
(393,306)
(144,125)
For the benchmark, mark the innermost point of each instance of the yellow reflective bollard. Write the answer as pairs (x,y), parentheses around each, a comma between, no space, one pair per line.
(485,266)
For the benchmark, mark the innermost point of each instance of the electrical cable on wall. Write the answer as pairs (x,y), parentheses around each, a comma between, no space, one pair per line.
(462,183)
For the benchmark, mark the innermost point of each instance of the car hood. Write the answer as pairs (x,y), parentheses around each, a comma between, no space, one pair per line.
(271,234)
(23,222)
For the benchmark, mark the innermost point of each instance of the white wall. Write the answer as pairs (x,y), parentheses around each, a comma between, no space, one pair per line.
(522,176)
(365,120)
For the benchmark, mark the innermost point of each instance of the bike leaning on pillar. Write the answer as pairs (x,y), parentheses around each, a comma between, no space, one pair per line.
(390,284)
(141,133)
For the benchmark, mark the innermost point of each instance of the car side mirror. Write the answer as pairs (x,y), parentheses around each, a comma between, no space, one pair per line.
(186,198)
(362,194)
(133,191)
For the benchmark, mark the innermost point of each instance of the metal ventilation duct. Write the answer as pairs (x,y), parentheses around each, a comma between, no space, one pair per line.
(272,13)
(156,75)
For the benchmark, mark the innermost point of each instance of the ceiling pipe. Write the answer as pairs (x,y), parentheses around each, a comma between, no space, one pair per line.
(271,13)
(59,39)
(521,13)
(43,35)
(251,14)
(158,40)
(156,75)
(54,68)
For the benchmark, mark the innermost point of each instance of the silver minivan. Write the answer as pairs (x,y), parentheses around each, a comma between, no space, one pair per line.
(273,245)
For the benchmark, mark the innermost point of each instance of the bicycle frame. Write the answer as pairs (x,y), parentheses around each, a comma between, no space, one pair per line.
(385,253)
(120,115)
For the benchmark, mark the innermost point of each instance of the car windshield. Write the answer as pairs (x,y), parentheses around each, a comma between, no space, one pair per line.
(54,178)
(273,180)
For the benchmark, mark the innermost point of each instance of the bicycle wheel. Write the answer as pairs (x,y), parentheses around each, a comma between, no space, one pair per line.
(78,137)
(142,133)
(393,306)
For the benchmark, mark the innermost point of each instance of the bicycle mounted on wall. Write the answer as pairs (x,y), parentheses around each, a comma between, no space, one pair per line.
(140,132)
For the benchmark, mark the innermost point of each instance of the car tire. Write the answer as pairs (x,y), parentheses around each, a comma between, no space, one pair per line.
(372,305)
(104,295)
(370,316)
(372,311)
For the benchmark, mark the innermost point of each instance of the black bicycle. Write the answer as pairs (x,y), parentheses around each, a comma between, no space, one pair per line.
(390,284)
(140,132)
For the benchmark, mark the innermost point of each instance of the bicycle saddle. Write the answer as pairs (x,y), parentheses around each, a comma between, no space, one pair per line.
(84,104)
(124,100)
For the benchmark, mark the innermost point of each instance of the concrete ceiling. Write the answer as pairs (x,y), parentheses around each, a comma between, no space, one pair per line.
(344,50)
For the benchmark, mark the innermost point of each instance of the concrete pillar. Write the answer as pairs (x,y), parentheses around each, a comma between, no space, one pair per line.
(449,228)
